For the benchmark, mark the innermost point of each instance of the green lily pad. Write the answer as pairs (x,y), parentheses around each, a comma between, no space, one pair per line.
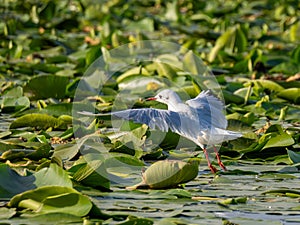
(292,94)
(6,213)
(42,121)
(279,140)
(168,174)
(53,87)
(52,175)
(13,100)
(294,156)
(11,183)
(53,199)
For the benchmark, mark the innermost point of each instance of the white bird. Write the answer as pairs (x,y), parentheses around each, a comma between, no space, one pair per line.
(200,119)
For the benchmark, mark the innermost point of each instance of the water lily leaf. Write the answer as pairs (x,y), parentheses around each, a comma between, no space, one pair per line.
(234,200)
(42,121)
(169,173)
(134,138)
(241,41)
(291,94)
(280,140)
(46,219)
(52,175)
(220,43)
(133,221)
(193,64)
(92,54)
(166,70)
(53,87)
(180,193)
(88,173)
(53,199)
(6,213)
(132,72)
(140,84)
(284,192)
(172,12)
(294,156)
(146,24)
(48,12)
(66,151)
(12,183)
(42,151)
(268,84)
(13,100)
(286,68)
(232,98)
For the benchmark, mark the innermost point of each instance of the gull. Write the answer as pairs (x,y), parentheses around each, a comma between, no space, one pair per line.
(200,119)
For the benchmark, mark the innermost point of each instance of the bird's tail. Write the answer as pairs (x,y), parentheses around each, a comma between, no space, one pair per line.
(218,135)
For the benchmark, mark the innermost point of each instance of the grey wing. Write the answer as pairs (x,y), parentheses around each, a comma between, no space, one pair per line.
(209,108)
(154,118)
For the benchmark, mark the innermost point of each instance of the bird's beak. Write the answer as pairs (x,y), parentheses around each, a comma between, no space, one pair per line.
(151,99)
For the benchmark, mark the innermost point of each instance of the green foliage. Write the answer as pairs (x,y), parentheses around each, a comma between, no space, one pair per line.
(53,199)
(57,165)
(166,174)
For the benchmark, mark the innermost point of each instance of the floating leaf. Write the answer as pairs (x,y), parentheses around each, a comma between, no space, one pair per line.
(284,192)
(280,140)
(220,43)
(53,87)
(52,175)
(168,174)
(234,200)
(42,121)
(6,213)
(193,64)
(268,84)
(12,183)
(13,100)
(66,151)
(291,94)
(294,156)
(53,199)
(229,97)
(166,70)
(48,12)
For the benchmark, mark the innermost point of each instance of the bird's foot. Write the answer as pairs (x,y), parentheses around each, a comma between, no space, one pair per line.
(212,168)
(219,159)
(222,165)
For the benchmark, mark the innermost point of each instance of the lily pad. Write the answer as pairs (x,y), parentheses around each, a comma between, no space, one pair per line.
(12,183)
(53,199)
(280,140)
(41,121)
(292,94)
(168,174)
(53,87)
(294,156)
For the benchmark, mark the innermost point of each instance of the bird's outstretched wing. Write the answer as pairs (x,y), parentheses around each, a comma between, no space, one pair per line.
(154,118)
(209,109)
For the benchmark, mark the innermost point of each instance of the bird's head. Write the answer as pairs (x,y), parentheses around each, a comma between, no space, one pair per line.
(166,96)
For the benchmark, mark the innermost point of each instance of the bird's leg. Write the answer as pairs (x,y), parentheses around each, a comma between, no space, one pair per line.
(219,159)
(210,166)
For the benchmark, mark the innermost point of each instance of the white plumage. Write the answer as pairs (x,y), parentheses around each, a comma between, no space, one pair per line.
(200,119)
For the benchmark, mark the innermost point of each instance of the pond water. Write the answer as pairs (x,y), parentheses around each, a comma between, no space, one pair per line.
(262,194)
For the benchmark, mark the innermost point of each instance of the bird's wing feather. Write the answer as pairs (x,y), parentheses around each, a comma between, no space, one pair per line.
(154,118)
(209,108)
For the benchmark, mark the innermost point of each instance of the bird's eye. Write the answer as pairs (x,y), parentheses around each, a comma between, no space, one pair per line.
(167,97)
(160,96)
